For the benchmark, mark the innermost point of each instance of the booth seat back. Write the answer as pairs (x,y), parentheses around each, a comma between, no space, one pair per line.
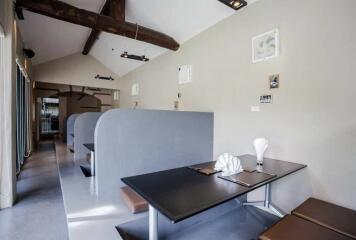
(84,128)
(132,142)
(70,128)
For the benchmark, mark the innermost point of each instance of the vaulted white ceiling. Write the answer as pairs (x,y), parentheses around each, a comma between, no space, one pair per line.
(181,19)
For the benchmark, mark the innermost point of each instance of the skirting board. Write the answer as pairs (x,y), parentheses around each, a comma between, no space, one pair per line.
(6,202)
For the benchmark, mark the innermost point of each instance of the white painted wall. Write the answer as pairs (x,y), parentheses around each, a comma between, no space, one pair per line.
(7,106)
(75,69)
(313,117)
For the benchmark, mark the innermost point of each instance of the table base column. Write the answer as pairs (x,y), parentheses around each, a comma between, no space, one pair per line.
(266,204)
(153,223)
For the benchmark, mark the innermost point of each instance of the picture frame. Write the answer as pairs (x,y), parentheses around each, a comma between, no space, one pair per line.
(266,98)
(265,46)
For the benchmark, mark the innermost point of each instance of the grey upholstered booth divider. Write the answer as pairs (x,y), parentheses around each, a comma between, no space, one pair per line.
(130,142)
(84,127)
(70,128)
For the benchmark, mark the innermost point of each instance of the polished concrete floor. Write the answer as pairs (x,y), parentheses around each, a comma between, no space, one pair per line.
(222,222)
(39,212)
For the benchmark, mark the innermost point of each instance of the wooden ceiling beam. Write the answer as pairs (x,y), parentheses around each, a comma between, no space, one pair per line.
(94,34)
(117,10)
(90,42)
(65,12)
(112,8)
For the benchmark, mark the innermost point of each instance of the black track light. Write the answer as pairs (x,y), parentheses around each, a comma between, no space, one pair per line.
(234,4)
(142,58)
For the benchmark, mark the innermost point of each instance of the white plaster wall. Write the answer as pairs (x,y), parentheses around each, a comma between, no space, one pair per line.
(313,116)
(75,69)
(7,106)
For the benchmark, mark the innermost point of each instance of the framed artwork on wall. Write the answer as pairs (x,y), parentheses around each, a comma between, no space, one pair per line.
(265,46)
(266,99)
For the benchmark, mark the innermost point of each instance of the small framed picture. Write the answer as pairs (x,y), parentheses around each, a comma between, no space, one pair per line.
(266,99)
(265,46)
(274,81)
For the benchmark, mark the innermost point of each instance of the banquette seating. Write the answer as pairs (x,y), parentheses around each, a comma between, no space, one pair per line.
(315,219)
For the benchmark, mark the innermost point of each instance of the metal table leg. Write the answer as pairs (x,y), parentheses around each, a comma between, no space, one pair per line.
(92,163)
(153,223)
(267,196)
(266,204)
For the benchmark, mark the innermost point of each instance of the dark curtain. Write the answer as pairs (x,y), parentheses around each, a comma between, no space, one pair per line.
(21,119)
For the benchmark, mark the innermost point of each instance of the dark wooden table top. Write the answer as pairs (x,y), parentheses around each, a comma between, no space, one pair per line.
(89,146)
(182,192)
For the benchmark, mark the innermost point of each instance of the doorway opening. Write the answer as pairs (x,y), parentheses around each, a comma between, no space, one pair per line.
(49,117)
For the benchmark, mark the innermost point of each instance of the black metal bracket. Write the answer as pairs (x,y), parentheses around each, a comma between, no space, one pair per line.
(104,78)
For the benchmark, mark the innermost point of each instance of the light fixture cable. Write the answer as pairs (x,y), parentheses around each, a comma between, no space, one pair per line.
(136,31)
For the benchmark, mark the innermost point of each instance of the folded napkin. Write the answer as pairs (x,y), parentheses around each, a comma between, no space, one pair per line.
(228,164)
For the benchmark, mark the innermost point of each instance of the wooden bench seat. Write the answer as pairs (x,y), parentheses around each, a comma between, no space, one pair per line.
(295,228)
(134,201)
(331,216)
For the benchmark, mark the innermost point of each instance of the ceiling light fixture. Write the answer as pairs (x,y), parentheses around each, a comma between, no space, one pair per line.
(104,78)
(234,4)
(142,58)
(125,55)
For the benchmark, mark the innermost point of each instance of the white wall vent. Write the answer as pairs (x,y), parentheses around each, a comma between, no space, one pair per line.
(135,89)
